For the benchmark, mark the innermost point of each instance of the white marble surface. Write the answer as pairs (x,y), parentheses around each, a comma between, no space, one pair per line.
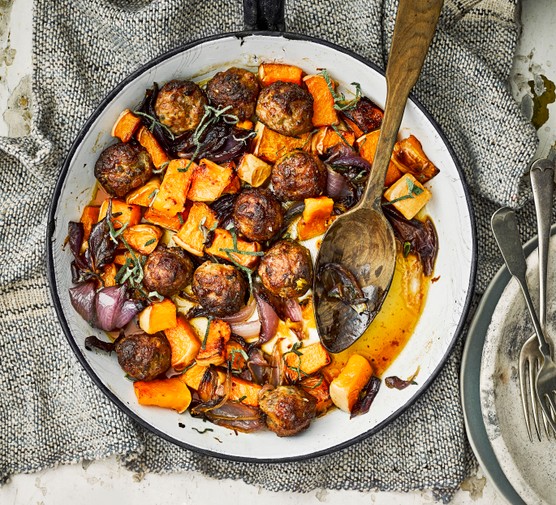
(107,482)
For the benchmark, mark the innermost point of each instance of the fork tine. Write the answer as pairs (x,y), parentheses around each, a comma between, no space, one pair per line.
(533,368)
(551,407)
(525,395)
(548,429)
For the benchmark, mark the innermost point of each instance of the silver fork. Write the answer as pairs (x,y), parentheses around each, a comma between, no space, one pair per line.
(504,226)
(530,358)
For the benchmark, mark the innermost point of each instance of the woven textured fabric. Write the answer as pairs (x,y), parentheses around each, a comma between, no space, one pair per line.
(50,410)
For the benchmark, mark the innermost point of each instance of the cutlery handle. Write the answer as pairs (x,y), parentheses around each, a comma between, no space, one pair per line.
(504,227)
(542,183)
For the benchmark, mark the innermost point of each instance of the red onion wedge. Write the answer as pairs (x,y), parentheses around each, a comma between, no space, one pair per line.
(269,319)
(82,298)
(243,314)
(293,309)
(337,186)
(249,329)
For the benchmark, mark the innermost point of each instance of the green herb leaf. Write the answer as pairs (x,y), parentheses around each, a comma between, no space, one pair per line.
(149,242)
(154,122)
(406,249)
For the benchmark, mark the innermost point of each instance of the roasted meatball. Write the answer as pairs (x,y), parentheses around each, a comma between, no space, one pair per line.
(220,289)
(167,271)
(286,108)
(237,88)
(123,167)
(180,105)
(298,175)
(286,269)
(257,214)
(143,356)
(288,409)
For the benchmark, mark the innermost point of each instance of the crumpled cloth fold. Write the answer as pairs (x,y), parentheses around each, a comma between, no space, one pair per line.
(52,413)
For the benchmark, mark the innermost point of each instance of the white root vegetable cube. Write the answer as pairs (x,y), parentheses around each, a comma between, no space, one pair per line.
(408,196)
(253,170)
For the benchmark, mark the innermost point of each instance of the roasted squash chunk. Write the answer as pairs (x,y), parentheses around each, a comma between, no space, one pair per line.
(324,113)
(345,388)
(243,252)
(192,235)
(171,197)
(122,213)
(272,72)
(270,145)
(305,360)
(145,194)
(126,125)
(149,142)
(408,196)
(253,170)
(159,316)
(316,217)
(171,393)
(409,157)
(184,342)
(209,181)
(143,237)
(213,347)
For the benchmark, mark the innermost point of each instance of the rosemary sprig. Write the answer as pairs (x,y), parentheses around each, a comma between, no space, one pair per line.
(155,122)
(340,101)
(205,337)
(295,350)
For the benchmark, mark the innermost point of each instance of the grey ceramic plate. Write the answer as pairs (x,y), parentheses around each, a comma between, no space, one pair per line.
(528,465)
(470,381)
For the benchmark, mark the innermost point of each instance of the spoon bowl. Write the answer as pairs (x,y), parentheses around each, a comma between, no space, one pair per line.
(370,260)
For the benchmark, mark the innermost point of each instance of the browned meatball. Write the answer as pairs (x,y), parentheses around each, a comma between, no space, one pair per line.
(288,409)
(123,167)
(180,105)
(220,289)
(257,214)
(237,88)
(286,269)
(167,271)
(143,356)
(286,108)
(298,175)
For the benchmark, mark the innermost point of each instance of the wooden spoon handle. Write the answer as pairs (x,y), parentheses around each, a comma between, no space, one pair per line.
(415,25)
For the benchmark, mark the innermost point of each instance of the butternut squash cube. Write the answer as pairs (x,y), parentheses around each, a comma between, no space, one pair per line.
(305,361)
(171,197)
(213,346)
(367,149)
(223,246)
(122,213)
(193,376)
(149,142)
(126,125)
(253,170)
(328,137)
(209,181)
(345,388)
(234,186)
(89,217)
(272,72)
(324,113)
(159,316)
(408,196)
(171,393)
(184,342)
(108,275)
(270,145)
(143,238)
(317,386)
(315,218)
(163,220)
(145,194)
(190,236)
(243,391)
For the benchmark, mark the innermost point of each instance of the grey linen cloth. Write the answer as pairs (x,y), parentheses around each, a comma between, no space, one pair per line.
(51,412)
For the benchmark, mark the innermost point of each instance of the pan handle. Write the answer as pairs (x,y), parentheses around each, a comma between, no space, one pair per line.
(264,15)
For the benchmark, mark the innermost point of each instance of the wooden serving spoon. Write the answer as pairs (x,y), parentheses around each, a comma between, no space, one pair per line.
(359,249)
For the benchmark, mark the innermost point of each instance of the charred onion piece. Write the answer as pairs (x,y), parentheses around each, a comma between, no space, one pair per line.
(340,283)
(95,342)
(366,397)
(395,382)
(420,235)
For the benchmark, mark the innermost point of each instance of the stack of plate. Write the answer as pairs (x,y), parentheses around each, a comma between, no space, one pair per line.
(522,471)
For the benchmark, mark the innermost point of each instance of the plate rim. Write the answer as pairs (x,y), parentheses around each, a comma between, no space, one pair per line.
(51,223)
(470,379)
